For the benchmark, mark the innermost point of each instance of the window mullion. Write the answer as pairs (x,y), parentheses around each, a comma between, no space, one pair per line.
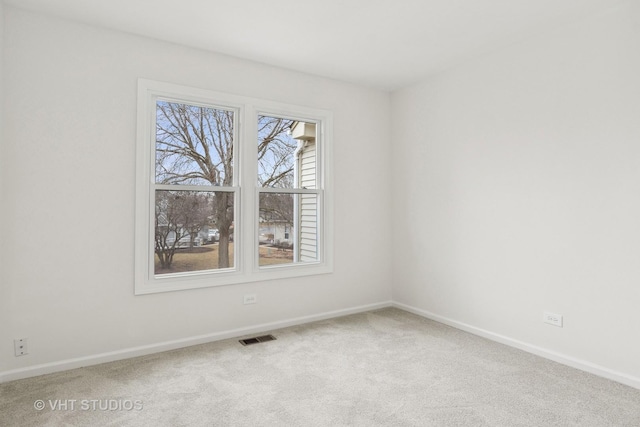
(249,176)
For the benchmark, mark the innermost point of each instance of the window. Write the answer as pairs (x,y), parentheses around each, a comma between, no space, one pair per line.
(229,189)
(288,195)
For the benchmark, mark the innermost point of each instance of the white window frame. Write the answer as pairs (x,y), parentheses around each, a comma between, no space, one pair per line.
(246,263)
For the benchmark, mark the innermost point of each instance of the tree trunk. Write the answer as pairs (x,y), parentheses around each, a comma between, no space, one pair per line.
(223,221)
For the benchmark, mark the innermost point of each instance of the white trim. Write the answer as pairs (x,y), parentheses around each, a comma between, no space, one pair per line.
(564,359)
(112,356)
(203,188)
(287,190)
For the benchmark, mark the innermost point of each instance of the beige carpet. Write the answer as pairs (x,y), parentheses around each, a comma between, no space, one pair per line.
(382,368)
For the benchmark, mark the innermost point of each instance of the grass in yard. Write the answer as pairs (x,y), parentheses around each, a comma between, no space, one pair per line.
(194,259)
(206,258)
(272,256)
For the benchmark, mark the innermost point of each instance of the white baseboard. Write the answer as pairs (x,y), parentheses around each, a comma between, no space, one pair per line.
(64,365)
(583,365)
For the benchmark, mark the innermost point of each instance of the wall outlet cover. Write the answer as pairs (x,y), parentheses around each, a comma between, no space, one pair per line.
(552,318)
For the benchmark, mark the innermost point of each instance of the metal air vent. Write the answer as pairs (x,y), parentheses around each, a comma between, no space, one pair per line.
(256,340)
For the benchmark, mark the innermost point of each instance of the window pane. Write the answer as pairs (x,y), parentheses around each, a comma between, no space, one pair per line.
(286,153)
(193,231)
(194,145)
(288,228)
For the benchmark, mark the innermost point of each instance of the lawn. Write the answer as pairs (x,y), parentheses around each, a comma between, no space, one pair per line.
(206,258)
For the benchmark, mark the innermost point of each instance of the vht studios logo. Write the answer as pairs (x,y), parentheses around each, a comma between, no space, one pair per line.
(88,405)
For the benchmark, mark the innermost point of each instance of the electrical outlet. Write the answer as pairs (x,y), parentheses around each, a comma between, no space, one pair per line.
(552,319)
(251,298)
(20,347)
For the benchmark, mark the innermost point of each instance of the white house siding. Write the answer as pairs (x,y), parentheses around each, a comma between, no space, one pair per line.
(308,205)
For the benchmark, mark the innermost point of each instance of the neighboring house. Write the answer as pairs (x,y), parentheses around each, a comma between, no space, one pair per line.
(185,240)
(306,207)
(168,233)
(275,232)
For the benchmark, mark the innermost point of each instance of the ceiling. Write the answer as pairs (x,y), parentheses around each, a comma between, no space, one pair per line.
(381,43)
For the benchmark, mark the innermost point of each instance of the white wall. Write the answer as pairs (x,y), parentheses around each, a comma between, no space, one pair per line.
(518,175)
(67,237)
(4,291)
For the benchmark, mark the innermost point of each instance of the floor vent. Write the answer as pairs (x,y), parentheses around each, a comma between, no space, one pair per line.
(256,340)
